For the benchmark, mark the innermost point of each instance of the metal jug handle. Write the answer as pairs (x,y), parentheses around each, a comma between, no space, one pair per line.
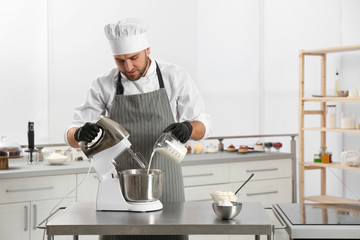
(86,144)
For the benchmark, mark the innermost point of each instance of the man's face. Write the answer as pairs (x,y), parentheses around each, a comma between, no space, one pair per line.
(133,65)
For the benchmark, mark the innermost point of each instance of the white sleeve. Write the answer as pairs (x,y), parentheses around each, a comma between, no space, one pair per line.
(94,106)
(190,104)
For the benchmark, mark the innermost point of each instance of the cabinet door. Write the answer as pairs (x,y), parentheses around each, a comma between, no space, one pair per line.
(40,210)
(36,188)
(87,191)
(201,193)
(267,192)
(205,174)
(15,221)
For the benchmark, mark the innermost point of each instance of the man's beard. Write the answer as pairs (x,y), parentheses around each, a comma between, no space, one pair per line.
(141,72)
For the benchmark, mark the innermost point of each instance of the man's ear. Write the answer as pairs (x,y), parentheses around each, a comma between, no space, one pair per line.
(147,51)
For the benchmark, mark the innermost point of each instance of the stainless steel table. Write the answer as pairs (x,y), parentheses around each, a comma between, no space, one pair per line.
(189,218)
(320,221)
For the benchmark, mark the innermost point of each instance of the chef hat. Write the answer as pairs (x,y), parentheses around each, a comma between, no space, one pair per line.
(127,36)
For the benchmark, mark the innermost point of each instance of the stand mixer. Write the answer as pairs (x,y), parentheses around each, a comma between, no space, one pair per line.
(112,142)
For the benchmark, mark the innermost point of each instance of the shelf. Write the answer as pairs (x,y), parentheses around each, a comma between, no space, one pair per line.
(330,165)
(331,99)
(321,98)
(331,50)
(333,130)
(330,199)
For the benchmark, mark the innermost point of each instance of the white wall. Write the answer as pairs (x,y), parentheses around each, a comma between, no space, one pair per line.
(350,80)
(243,55)
(23,69)
(79,50)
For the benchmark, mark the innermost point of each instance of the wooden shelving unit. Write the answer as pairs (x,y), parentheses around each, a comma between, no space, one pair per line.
(307,165)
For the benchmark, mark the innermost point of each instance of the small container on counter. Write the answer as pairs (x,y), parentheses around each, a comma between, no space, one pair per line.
(55,157)
(268,146)
(221,145)
(188,148)
(31,155)
(69,154)
(211,149)
(78,155)
(277,146)
(198,148)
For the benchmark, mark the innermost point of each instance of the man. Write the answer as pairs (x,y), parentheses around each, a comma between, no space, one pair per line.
(147,98)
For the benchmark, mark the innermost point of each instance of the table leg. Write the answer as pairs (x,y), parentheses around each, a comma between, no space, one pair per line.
(50,237)
(76,237)
(257,237)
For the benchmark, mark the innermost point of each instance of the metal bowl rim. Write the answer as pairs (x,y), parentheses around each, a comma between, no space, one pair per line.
(136,173)
(235,204)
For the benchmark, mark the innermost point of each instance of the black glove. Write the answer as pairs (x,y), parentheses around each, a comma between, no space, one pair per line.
(86,133)
(182,131)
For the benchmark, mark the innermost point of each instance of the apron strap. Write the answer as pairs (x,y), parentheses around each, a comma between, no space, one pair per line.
(158,72)
(120,87)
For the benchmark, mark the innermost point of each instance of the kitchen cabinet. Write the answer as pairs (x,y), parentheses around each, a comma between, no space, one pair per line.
(14,221)
(87,191)
(25,202)
(308,164)
(272,183)
(37,189)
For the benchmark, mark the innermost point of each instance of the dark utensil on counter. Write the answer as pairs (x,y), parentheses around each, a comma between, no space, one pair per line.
(244,183)
(31,144)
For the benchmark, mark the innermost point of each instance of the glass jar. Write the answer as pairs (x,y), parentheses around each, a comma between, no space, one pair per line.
(326,156)
(348,120)
(220,145)
(317,157)
(8,149)
(331,116)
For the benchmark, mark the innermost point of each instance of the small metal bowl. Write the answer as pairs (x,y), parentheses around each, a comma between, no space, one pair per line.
(227,212)
(343,93)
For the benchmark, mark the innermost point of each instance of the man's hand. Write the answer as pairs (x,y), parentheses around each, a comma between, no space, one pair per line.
(182,131)
(86,133)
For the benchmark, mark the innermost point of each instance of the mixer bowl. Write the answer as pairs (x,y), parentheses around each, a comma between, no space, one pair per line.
(138,186)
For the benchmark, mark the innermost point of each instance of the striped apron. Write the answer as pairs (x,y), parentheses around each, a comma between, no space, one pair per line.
(145,116)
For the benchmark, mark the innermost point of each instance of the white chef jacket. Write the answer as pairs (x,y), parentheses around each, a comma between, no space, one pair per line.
(185,100)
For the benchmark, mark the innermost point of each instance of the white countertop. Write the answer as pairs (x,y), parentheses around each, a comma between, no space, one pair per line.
(18,168)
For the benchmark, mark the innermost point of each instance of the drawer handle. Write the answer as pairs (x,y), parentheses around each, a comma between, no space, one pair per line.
(26,218)
(29,189)
(199,175)
(35,216)
(262,170)
(261,193)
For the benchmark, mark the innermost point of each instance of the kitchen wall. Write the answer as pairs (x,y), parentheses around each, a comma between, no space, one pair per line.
(243,56)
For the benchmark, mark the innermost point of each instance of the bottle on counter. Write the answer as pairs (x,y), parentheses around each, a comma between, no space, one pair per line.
(69,154)
(220,145)
(78,155)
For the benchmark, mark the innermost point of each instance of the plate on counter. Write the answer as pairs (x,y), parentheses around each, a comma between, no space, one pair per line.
(252,151)
(225,150)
